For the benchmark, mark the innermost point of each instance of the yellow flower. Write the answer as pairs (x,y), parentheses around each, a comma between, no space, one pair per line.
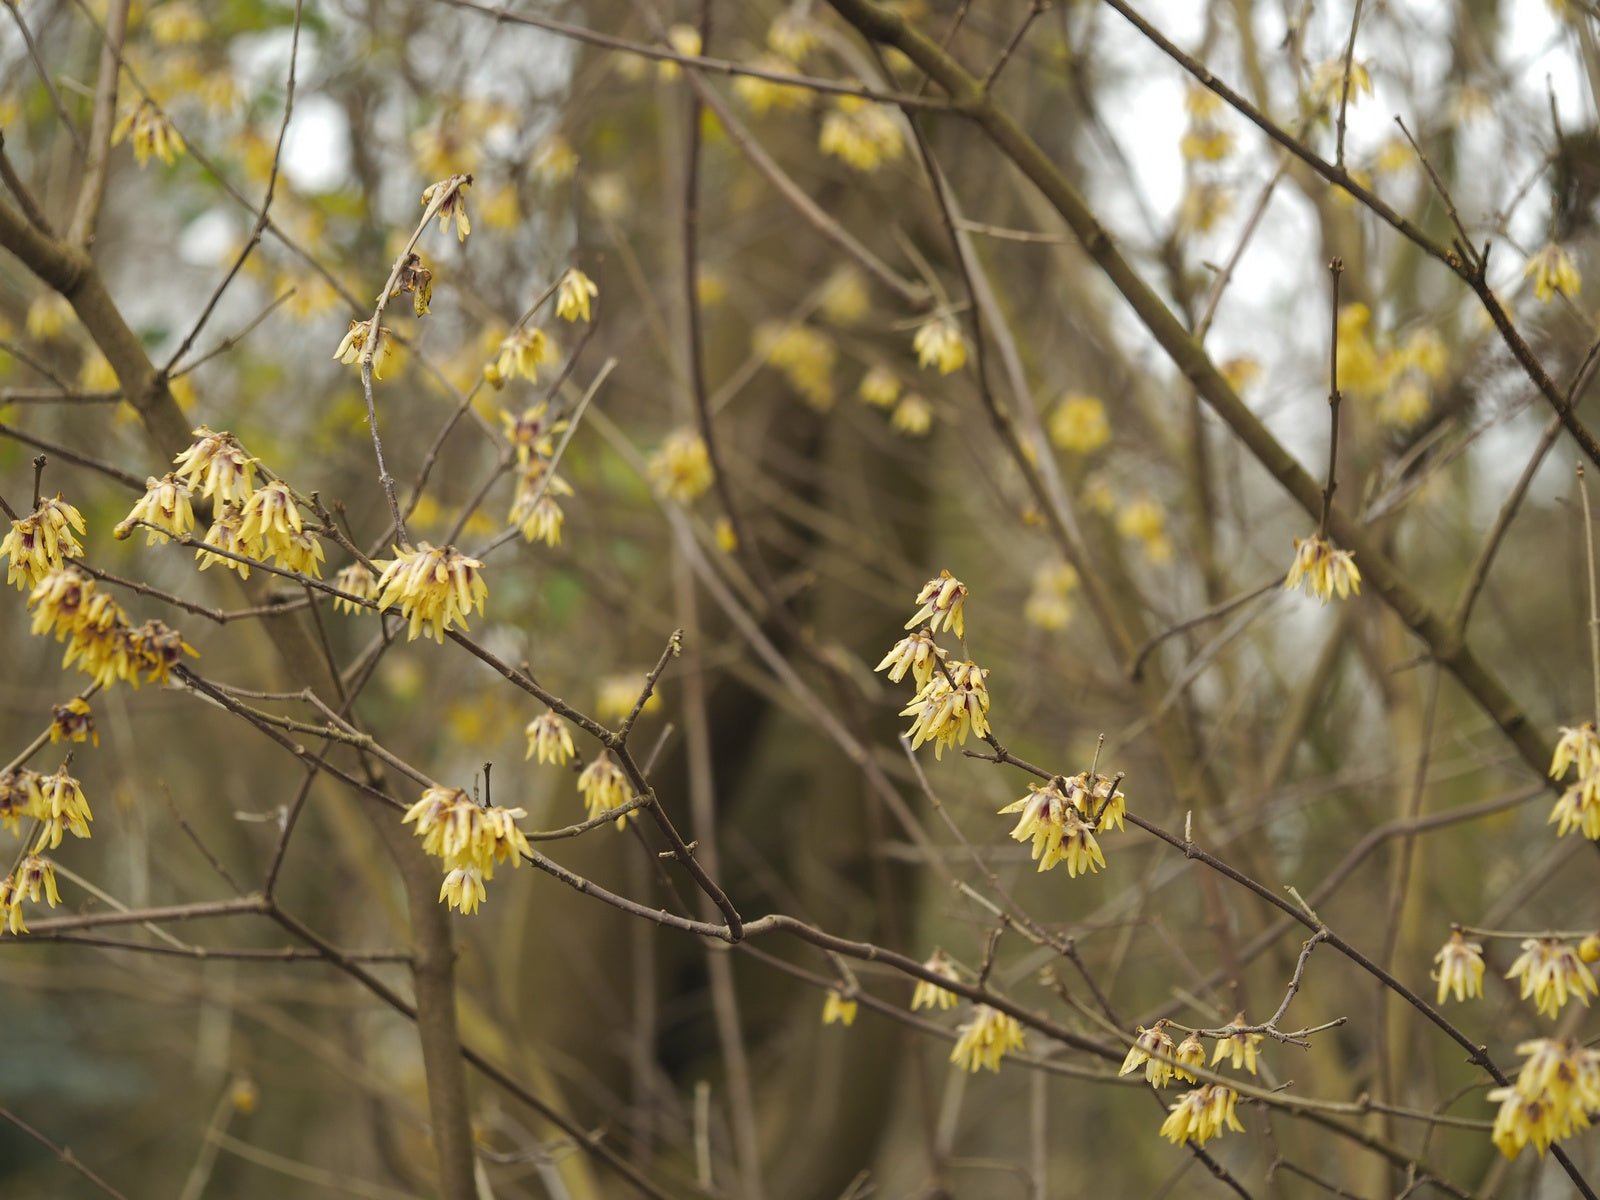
(42,541)
(353,347)
(1047,605)
(20,798)
(11,908)
(792,34)
(928,994)
(176,22)
(152,133)
(681,469)
(1078,425)
(844,297)
(1055,818)
(879,387)
(946,712)
(913,416)
(463,889)
(762,96)
(357,581)
(860,133)
(605,786)
(573,294)
(1191,1052)
(1324,571)
(63,809)
(73,722)
(1328,88)
(521,354)
(465,834)
(36,879)
(1578,746)
(155,649)
(619,693)
(1460,968)
(985,1039)
(942,600)
(534,507)
(1239,1047)
(1555,1093)
(1578,808)
(685,40)
(1405,405)
(435,588)
(549,740)
(165,510)
(1205,203)
(301,553)
(1152,1041)
(217,465)
(1589,948)
(451,195)
(837,1008)
(1522,1121)
(1552,271)
(1552,973)
(532,435)
(916,652)
(722,533)
(224,535)
(1205,142)
(939,343)
(804,355)
(1201,1115)
(269,520)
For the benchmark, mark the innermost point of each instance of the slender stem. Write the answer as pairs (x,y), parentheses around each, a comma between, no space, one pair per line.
(1336,271)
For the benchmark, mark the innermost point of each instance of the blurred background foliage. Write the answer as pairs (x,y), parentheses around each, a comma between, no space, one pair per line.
(1290,732)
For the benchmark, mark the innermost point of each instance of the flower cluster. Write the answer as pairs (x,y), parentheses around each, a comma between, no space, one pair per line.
(1239,1047)
(1324,571)
(55,801)
(986,1037)
(471,839)
(1554,1094)
(1552,973)
(952,700)
(1062,817)
(1397,373)
(99,639)
(953,704)
(1579,806)
(166,510)
(860,133)
(1201,1115)
(435,588)
(217,466)
(42,541)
